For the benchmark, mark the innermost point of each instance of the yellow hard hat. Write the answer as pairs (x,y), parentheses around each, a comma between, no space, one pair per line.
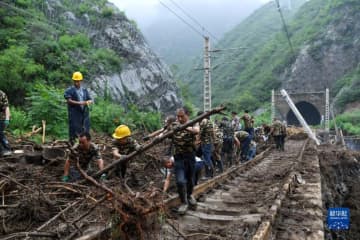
(121,132)
(77,76)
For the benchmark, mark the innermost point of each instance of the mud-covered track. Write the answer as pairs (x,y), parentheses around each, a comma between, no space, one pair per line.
(246,204)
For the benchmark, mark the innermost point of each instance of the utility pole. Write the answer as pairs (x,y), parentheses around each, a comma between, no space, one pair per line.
(327,110)
(272,105)
(207,76)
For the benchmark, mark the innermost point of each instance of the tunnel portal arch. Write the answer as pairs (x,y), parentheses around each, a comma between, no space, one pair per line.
(312,105)
(309,112)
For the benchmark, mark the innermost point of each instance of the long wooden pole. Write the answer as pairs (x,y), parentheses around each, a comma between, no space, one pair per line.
(159,139)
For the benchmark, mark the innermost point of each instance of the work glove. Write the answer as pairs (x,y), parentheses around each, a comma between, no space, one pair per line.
(146,138)
(65,178)
(103,177)
(6,122)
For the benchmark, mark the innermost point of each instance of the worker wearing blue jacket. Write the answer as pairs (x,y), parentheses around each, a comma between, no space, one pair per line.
(78,101)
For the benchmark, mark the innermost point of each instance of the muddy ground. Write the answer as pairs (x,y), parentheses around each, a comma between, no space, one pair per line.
(31,193)
(340,179)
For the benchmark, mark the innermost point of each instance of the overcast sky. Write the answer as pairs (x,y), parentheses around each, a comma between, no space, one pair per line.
(145,12)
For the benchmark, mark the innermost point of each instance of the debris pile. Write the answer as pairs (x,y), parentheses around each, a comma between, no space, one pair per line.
(35,203)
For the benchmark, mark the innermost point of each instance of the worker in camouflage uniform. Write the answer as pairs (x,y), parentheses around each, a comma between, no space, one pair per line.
(242,139)
(123,145)
(266,130)
(228,141)
(248,123)
(277,131)
(218,142)
(283,135)
(87,153)
(5,149)
(235,121)
(207,137)
(183,142)
(78,101)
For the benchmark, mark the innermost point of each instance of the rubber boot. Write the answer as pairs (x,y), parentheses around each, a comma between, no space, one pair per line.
(220,165)
(211,171)
(207,171)
(6,150)
(184,202)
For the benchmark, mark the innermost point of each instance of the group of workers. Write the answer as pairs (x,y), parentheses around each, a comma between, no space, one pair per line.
(203,146)
(207,145)
(190,150)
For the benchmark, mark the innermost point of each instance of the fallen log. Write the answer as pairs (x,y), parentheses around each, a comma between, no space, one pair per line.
(30,234)
(122,205)
(158,140)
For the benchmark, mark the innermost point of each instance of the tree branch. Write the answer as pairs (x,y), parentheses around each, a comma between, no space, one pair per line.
(155,141)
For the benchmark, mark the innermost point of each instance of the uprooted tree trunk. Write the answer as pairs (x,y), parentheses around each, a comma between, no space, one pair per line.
(131,210)
(134,211)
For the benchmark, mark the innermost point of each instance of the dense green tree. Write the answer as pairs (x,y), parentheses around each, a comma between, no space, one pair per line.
(17,72)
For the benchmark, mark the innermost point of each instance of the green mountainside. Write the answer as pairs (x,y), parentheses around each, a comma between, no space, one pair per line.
(240,49)
(246,76)
(42,42)
(36,45)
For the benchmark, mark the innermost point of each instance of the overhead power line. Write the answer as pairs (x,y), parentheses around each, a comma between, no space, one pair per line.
(193,19)
(285,27)
(182,19)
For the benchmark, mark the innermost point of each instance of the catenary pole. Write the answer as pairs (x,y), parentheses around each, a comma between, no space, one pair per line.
(207,76)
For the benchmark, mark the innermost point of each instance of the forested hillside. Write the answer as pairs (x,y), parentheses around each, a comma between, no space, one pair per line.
(42,42)
(246,75)
(243,50)
(36,46)
(45,41)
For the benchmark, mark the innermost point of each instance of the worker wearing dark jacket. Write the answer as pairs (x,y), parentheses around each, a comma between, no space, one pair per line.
(78,101)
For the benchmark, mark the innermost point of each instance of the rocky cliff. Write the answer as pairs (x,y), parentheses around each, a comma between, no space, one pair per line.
(142,79)
(333,53)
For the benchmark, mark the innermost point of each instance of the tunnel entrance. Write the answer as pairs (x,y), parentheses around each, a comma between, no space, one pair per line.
(309,113)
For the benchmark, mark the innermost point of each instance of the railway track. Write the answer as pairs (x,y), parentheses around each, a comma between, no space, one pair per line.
(247,201)
(277,195)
